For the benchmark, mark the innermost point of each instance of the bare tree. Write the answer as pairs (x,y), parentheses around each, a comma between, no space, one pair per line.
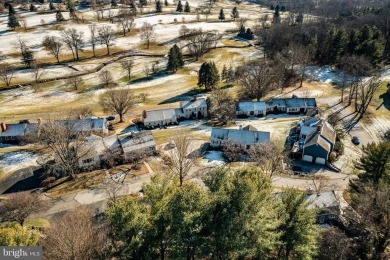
(222,107)
(20,44)
(75,235)
(38,72)
(125,20)
(127,66)
(107,36)
(74,40)
(268,157)
(366,93)
(199,42)
(118,101)
(93,38)
(75,82)
(68,142)
(54,45)
(23,23)
(147,34)
(6,73)
(255,79)
(240,22)
(183,156)
(106,78)
(143,96)
(320,182)
(20,205)
(233,151)
(147,70)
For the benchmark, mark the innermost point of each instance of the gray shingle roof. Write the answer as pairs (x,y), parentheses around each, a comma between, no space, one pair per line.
(248,106)
(246,137)
(16,130)
(136,141)
(159,115)
(190,104)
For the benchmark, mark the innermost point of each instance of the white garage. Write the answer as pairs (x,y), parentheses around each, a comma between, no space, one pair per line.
(307,158)
(320,160)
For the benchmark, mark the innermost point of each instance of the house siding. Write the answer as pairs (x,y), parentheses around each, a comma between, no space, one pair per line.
(316,151)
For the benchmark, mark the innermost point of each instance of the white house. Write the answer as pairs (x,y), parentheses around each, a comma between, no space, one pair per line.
(137,144)
(160,117)
(244,136)
(251,108)
(194,108)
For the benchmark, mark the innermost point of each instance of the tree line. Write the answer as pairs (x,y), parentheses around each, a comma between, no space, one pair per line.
(236,215)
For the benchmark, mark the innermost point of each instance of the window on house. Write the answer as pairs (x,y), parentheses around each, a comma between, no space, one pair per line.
(88,160)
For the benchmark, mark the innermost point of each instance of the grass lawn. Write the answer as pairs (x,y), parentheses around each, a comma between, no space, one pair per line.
(83,181)
(37,222)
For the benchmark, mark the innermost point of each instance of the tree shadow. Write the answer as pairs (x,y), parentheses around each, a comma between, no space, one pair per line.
(180,97)
(386,101)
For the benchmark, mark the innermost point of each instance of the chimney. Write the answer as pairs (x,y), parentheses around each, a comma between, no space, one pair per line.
(309,191)
(144,114)
(3,127)
(194,97)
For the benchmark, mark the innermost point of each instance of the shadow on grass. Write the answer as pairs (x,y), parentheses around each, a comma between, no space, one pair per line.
(386,101)
(184,96)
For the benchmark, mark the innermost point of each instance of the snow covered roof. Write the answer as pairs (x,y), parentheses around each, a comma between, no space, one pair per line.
(306,130)
(251,106)
(322,200)
(14,130)
(136,141)
(246,137)
(292,102)
(193,103)
(158,115)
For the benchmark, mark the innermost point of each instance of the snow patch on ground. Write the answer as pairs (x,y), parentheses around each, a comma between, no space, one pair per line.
(13,161)
(158,80)
(324,74)
(213,159)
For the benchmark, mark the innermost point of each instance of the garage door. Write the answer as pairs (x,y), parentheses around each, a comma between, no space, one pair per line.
(320,160)
(307,158)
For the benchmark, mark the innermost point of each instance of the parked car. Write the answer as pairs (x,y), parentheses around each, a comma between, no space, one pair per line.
(110,118)
(355,140)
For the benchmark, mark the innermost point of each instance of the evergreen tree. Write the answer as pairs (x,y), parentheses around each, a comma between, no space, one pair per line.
(187,7)
(298,230)
(33,8)
(299,19)
(283,8)
(114,3)
(59,17)
(235,13)
(27,56)
(276,18)
(241,32)
(353,42)
(166,3)
(338,46)
(179,7)
(225,73)
(231,74)
(51,6)
(272,7)
(221,15)
(208,75)
(11,9)
(175,59)
(13,21)
(249,35)
(158,7)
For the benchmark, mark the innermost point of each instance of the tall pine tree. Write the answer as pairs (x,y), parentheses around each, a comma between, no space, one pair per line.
(187,7)
(166,3)
(11,9)
(13,22)
(221,15)
(235,13)
(179,7)
(175,59)
(158,7)
(208,76)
